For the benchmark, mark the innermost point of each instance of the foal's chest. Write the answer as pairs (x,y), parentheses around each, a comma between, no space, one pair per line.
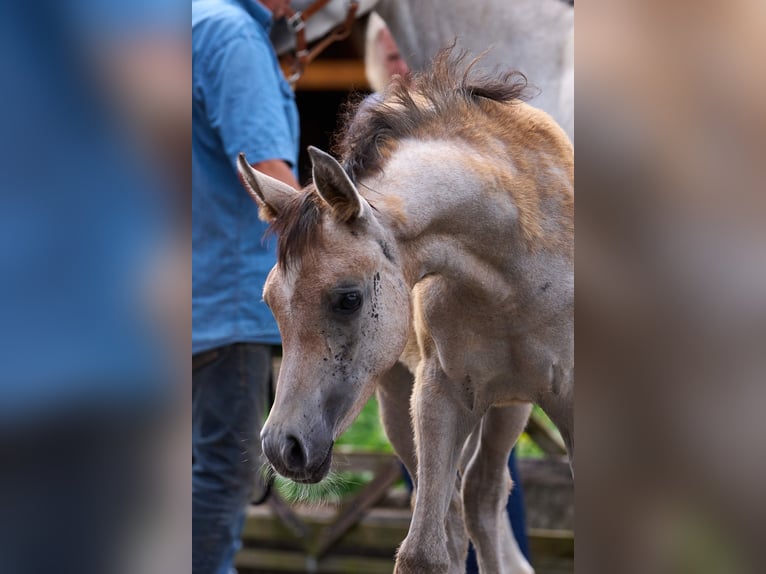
(479,343)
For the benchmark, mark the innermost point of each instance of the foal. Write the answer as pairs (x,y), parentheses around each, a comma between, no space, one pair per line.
(451,217)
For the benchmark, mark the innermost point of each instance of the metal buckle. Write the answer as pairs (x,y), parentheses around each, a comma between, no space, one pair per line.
(296,22)
(294,77)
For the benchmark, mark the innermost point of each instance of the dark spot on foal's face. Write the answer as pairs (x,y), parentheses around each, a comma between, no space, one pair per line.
(386,250)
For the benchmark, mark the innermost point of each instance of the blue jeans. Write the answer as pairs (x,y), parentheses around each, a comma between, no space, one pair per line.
(230,397)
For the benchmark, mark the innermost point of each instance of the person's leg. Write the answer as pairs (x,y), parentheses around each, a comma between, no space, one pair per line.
(471,562)
(230,390)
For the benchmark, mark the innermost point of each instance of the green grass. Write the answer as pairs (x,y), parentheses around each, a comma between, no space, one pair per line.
(366,433)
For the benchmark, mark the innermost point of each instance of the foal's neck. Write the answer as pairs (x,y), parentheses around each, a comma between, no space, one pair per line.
(452,214)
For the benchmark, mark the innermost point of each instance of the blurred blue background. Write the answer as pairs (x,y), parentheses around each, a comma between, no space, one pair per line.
(94,280)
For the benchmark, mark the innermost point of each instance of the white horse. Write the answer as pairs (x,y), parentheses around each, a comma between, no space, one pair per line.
(535,37)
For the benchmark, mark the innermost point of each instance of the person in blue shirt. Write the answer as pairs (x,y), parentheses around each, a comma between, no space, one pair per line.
(240,103)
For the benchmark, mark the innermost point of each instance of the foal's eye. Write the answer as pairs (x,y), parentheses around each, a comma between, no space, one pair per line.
(348,302)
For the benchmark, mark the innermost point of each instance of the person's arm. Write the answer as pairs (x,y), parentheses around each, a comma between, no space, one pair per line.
(278,169)
(245,104)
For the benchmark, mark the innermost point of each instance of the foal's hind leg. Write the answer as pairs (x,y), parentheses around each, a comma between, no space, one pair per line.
(485,492)
(394,390)
(560,408)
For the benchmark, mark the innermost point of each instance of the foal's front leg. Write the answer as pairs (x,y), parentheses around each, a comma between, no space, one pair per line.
(442,421)
(394,390)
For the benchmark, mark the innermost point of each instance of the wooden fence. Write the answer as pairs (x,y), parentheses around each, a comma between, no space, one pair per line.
(361,535)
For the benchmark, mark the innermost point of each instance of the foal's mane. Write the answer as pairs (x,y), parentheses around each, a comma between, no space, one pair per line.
(298,227)
(451,99)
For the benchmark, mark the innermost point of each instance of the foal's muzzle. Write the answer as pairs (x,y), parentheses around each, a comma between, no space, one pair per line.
(306,461)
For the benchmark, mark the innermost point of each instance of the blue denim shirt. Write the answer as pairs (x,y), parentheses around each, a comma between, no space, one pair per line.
(241,103)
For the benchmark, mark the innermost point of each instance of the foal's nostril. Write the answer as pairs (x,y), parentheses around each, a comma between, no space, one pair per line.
(292,453)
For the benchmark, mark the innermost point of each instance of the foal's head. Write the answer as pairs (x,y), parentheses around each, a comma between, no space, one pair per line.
(343,308)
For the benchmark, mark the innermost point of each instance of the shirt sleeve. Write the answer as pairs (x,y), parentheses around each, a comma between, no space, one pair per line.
(246,101)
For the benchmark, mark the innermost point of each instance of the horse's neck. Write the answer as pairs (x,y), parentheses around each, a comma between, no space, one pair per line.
(535,37)
(515,30)
(449,221)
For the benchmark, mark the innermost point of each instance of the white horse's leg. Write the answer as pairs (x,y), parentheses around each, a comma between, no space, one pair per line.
(485,492)
(442,421)
(394,391)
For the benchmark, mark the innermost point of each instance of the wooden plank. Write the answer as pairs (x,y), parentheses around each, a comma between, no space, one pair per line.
(378,532)
(344,459)
(552,553)
(265,529)
(549,471)
(290,519)
(553,549)
(545,472)
(356,508)
(335,75)
(381,530)
(548,492)
(548,440)
(370,546)
(285,561)
(551,543)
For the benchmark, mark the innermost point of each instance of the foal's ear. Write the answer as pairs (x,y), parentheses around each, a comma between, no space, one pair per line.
(335,187)
(269,193)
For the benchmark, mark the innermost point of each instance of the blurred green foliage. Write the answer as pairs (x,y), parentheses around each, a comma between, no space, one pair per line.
(366,433)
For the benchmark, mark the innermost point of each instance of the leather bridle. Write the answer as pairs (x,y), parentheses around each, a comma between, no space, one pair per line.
(296,21)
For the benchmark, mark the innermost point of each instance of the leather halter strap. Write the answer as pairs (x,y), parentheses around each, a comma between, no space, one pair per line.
(296,21)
